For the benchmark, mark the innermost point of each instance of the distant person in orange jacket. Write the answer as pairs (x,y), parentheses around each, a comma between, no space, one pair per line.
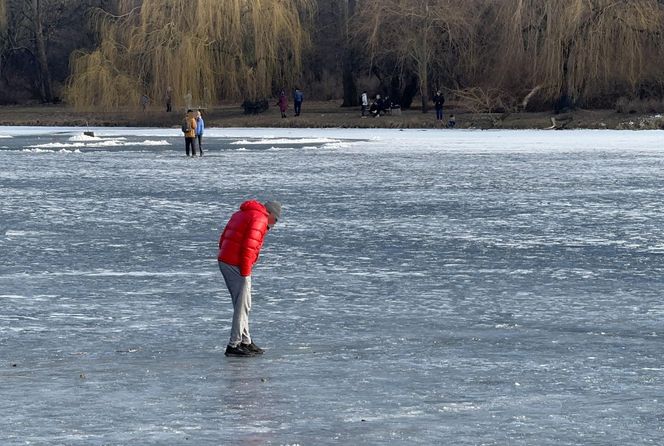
(189,130)
(239,247)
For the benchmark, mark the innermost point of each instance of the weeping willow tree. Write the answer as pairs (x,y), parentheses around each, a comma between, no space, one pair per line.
(579,49)
(3,17)
(205,49)
(3,32)
(419,37)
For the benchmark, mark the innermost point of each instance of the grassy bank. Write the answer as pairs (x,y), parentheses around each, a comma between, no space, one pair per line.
(320,114)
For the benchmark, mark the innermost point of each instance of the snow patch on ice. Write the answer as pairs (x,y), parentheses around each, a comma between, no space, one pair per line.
(56,145)
(87,138)
(337,145)
(42,150)
(285,141)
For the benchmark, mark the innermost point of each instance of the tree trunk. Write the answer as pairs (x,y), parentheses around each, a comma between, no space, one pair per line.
(46,90)
(349,60)
(409,92)
(424,81)
(350,87)
(395,89)
(564,101)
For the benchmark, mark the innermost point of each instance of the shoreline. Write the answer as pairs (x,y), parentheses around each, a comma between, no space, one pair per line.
(324,114)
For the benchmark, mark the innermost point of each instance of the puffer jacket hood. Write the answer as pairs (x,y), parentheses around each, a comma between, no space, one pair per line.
(253,205)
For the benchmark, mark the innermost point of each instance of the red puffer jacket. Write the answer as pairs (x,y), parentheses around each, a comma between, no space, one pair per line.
(242,239)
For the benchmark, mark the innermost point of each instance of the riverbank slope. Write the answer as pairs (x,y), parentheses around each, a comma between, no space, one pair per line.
(321,114)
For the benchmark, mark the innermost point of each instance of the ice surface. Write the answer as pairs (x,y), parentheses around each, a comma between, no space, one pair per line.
(423,287)
(289,141)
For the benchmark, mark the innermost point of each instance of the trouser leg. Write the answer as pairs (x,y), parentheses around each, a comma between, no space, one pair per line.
(189,145)
(199,138)
(240,289)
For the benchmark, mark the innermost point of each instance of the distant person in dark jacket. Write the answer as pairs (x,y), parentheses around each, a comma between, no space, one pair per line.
(169,99)
(298,97)
(145,100)
(377,107)
(438,102)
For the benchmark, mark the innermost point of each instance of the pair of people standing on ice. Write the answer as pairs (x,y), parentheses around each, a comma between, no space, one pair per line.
(193,128)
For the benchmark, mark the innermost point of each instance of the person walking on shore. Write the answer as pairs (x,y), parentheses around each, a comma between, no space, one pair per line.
(169,99)
(145,100)
(283,103)
(239,247)
(438,102)
(189,130)
(298,98)
(200,128)
(364,99)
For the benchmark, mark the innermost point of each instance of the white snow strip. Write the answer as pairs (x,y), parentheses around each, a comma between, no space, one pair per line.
(95,143)
(285,141)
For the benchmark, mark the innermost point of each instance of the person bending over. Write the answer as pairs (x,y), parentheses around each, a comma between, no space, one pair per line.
(239,247)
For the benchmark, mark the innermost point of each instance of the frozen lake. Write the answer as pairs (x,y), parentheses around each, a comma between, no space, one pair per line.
(423,287)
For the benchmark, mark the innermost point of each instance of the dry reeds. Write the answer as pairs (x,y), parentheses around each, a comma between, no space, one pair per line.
(580,49)
(577,48)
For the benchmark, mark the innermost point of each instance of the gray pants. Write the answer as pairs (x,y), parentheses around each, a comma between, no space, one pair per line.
(240,288)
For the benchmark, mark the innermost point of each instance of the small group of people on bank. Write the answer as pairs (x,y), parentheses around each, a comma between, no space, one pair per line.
(382,105)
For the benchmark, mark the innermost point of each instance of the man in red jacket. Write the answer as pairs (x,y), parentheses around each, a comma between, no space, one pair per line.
(239,247)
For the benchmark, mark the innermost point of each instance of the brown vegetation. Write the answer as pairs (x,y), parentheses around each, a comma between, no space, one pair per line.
(493,56)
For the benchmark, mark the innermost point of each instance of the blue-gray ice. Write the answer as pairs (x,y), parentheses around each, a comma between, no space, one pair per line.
(422,288)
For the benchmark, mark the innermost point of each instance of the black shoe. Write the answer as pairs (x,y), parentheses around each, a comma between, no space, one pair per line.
(253,348)
(240,350)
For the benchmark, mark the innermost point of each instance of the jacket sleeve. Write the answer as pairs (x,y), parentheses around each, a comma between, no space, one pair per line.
(221,237)
(252,244)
